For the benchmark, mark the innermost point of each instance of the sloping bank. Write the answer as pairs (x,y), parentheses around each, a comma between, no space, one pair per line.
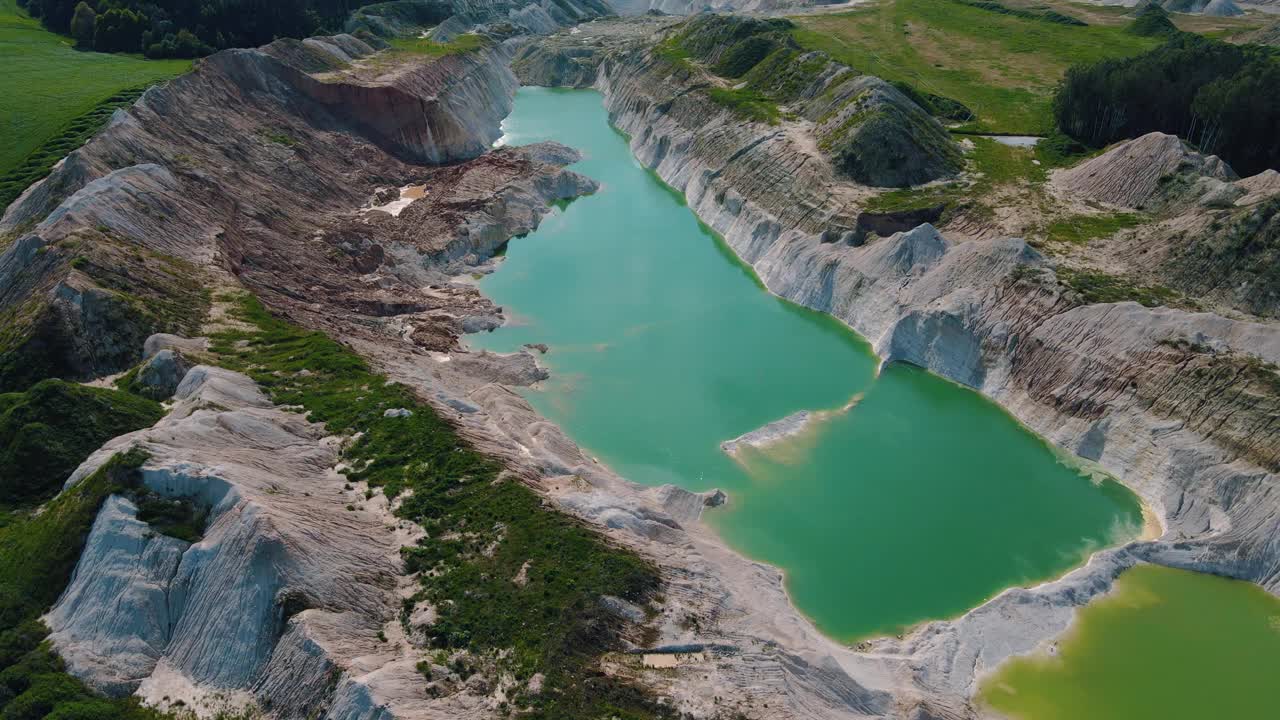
(1181,406)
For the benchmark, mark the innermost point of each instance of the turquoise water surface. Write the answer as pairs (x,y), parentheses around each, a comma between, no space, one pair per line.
(919,501)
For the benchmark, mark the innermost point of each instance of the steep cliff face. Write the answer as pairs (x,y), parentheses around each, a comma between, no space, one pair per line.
(1182,406)
(322,210)
(277,600)
(128,232)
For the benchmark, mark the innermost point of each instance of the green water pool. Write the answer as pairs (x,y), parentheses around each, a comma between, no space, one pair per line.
(918,502)
(1165,644)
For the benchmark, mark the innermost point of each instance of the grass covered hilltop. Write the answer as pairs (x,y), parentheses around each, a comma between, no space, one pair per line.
(56,97)
(1002,60)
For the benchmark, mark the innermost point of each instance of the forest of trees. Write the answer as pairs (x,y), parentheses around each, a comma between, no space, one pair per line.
(186,28)
(1218,96)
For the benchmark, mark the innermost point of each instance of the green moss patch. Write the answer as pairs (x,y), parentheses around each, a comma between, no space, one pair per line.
(993,164)
(51,428)
(1099,287)
(169,294)
(1152,21)
(747,104)
(179,518)
(1239,257)
(1080,229)
(139,292)
(430,48)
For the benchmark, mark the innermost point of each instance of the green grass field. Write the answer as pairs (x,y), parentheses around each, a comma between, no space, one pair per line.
(1002,67)
(47,85)
(431,48)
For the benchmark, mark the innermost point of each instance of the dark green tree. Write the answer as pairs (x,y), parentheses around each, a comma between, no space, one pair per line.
(119,30)
(82,23)
(1218,96)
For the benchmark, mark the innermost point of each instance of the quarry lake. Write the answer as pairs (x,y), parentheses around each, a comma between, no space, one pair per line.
(912,499)
(1136,651)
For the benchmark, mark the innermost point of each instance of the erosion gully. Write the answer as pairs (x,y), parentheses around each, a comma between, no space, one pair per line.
(913,499)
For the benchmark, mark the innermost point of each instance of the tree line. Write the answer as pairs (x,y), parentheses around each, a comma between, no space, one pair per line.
(1223,98)
(186,28)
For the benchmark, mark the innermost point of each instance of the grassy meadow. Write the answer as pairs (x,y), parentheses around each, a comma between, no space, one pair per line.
(54,97)
(1003,67)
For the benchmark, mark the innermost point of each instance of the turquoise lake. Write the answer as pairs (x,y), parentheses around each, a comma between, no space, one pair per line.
(920,500)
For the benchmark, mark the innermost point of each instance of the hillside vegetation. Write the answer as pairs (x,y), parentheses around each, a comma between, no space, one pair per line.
(51,428)
(1001,62)
(56,97)
(1219,96)
(871,131)
(187,28)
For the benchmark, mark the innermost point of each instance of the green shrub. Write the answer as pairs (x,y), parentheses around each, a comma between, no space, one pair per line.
(744,55)
(1080,229)
(180,518)
(936,105)
(51,428)
(1100,287)
(1058,149)
(38,553)
(747,104)
(1152,21)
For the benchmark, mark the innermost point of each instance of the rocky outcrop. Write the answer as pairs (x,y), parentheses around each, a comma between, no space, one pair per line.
(398,18)
(1232,256)
(1212,8)
(1269,35)
(420,112)
(297,210)
(443,20)
(275,170)
(574,67)
(159,375)
(283,593)
(573,59)
(1137,173)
